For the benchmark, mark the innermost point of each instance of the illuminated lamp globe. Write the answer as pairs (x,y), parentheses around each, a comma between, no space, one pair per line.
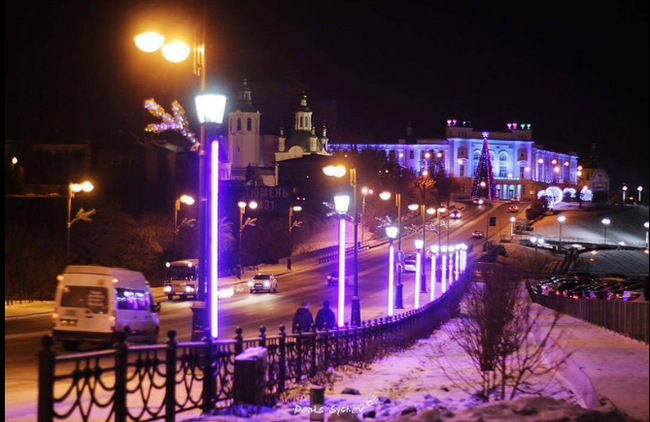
(297,208)
(385,196)
(149,41)
(431,211)
(253,205)
(419,244)
(210,108)
(413,207)
(176,51)
(391,232)
(187,200)
(242,204)
(341,203)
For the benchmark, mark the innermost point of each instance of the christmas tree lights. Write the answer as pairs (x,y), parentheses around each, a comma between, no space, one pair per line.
(484,184)
(176,122)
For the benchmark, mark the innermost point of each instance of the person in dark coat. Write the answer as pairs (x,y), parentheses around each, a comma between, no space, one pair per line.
(303,317)
(325,315)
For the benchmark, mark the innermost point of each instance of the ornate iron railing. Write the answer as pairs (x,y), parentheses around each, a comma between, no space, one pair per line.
(144,383)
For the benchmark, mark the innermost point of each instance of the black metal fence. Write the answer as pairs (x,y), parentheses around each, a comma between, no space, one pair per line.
(627,318)
(143,383)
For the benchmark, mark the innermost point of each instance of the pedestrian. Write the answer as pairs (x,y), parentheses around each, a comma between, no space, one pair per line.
(325,316)
(303,317)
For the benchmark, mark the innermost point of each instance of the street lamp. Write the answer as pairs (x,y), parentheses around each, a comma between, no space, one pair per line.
(419,245)
(339,171)
(341,205)
(250,222)
(399,302)
(639,191)
(434,270)
(443,268)
(149,42)
(625,189)
(513,220)
(210,110)
(385,196)
(646,225)
(365,191)
(606,222)
(73,190)
(561,219)
(292,225)
(183,199)
(391,233)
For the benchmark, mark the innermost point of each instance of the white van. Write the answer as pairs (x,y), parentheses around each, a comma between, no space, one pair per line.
(93,303)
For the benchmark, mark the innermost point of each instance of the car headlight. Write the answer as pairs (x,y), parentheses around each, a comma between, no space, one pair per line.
(189,289)
(226,293)
(267,283)
(250,283)
(167,288)
(329,277)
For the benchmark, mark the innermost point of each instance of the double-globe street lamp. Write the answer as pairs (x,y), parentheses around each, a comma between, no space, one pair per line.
(249,222)
(292,225)
(73,190)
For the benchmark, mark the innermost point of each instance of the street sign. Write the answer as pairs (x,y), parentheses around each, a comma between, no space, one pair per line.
(275,198)
(493,221)
(399,256)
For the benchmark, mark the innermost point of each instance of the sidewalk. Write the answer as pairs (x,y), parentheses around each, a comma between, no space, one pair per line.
(616,365)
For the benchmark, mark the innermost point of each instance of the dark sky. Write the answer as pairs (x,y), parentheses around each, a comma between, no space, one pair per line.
(578,71)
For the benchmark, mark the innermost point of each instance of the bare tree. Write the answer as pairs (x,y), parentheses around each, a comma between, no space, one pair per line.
(496,331)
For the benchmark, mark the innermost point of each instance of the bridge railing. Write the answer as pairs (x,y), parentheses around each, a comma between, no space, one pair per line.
(153,382)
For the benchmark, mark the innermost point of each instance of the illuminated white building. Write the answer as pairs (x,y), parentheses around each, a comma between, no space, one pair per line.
(521,166)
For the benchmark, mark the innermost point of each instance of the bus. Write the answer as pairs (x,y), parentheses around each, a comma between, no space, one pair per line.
(182,279)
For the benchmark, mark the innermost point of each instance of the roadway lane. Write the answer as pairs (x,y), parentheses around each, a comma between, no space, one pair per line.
(250,311)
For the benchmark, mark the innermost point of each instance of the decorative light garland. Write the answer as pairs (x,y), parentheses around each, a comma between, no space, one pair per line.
(176,122)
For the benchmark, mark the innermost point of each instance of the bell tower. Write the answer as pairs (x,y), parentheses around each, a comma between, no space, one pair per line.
(243,134)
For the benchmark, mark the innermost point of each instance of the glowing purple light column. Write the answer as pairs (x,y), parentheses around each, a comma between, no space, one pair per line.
(443,267)
(419,245)
(434,270)
(341,307)
(214,240)
(391,233)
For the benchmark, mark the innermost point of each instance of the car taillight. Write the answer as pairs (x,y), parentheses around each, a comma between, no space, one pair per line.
(112,319)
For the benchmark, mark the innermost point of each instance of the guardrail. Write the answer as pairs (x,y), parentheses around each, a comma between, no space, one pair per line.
(334,254)
(144,383)
(627,318)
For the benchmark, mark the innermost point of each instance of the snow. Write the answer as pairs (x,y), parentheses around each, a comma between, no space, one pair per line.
(614,261)
(28,309)
(433,374)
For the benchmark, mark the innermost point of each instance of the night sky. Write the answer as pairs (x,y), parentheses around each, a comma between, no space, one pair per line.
(578,71)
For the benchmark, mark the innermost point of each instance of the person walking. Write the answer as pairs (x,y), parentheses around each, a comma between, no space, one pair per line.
(303,317)
(326,316)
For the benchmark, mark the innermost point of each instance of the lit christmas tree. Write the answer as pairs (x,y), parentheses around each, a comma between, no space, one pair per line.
(484,185)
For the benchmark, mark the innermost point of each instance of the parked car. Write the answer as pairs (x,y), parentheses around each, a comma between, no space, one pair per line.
(478,234)
(94,303)
(456,215)
(514,200)
(333,279)
(617,294)
(263,283)
(513,208)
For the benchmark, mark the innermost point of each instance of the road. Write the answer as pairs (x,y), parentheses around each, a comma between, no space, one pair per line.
(245,310)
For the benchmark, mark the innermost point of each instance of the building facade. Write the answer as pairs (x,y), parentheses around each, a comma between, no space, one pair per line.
(521,166)
(302,140)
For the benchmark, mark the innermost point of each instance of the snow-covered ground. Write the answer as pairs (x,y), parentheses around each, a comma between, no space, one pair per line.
(615,261)
(434,375)
(626,224)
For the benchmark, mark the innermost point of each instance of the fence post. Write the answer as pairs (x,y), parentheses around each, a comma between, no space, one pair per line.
(46,368)
(121,365)
(208,375)
(314,344)
(283,359)
(239,345)
(170,378)
(299,353)
(326,346)
(262,336)
(347,353)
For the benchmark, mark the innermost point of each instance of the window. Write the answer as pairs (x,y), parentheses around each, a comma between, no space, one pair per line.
(503,164)
(238,124)
(302,122)
(95,299)
(522,172)
(133,300)
(412,155)
(477,155)
(462,170)
(249,124)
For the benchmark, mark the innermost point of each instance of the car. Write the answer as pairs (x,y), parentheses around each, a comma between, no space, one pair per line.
(478,234)
(515,200)
(263,283)
(456,215)
(513,208)
(618,294)
(333,279)
(181,279)
(410,265)
(93,304)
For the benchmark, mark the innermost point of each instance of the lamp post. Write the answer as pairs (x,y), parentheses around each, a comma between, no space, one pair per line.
(434,271)
(73,189)
(341,205)
(443,269)
(646,225)
(183,199)
(440,211)
(250,222)
(211,109)
(536,242)
(625,189)
(513,220)
(419,246)
(292,225)
(391,233)
(606,222)
(399,302)
(338,172)
(561,219)
(639,191)
(365,191)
